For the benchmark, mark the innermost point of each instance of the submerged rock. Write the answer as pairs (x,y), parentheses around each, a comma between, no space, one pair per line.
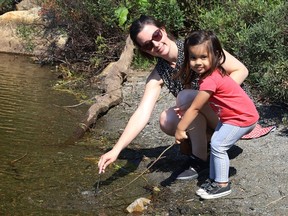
(138,205)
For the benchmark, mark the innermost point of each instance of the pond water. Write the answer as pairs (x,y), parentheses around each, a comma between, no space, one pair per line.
(39,175)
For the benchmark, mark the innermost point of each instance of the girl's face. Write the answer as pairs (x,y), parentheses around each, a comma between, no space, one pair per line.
(199,58)
(154,41)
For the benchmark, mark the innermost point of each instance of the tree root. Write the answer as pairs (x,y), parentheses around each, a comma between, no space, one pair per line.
(115,74)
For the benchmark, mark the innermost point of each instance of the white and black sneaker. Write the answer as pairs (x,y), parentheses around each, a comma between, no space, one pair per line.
(196,168)
(213,191)
(203,187)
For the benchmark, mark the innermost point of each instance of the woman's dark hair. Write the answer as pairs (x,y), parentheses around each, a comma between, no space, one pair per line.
(214,48)
(138,25)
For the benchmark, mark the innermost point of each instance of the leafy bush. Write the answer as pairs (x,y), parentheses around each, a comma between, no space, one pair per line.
(163,10)
(88,21)
(256,32)
(7,5)
(193,10)
(91,27)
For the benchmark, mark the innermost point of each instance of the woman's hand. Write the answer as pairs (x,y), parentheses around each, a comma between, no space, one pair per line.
(180,135)
(107,159)
(237,70)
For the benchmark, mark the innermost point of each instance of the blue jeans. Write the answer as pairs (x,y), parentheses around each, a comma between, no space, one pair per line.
(224,137)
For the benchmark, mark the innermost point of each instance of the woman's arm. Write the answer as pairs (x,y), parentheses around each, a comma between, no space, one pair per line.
(137,121)
(235,68)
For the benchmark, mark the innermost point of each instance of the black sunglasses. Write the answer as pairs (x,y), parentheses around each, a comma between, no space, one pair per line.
(156,36)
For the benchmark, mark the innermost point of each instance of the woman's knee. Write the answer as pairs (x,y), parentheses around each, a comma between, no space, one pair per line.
(185,99)
(168,121)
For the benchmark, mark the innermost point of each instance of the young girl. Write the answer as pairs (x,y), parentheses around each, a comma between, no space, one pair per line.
(237,114)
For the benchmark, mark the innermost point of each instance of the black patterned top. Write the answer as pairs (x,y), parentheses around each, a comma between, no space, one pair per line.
(167,72)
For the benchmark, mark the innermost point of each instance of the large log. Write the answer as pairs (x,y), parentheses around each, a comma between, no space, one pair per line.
(115,74)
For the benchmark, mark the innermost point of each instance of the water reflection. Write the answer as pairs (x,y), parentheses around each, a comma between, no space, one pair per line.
(38,176)
(28,105)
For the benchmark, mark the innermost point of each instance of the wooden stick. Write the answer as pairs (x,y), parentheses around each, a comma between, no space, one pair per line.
(18,159)
(142,173)
(275,201)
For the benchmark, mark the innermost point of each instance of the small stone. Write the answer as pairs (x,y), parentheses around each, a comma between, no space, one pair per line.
(138,205)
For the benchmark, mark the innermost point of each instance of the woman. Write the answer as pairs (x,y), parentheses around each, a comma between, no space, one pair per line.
(152,39)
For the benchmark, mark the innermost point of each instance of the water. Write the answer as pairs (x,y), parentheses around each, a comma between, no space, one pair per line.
(38,175)
(29,107)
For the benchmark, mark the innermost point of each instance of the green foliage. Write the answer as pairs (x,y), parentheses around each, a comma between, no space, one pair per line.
(101,49)
(141,62)
(27,34)
(285,119)
(274,81)
(193,10)
(265,52)
(230,19)
(6,5)
(94,35)
(168,11)
(256,32)
(121,13)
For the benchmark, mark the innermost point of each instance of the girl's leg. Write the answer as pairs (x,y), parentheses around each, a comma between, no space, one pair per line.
(224,137)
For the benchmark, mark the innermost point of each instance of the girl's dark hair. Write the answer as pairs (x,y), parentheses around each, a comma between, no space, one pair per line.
(215,50)
(138,25)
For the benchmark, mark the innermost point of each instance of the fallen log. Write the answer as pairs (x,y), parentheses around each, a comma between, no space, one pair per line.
(115,74)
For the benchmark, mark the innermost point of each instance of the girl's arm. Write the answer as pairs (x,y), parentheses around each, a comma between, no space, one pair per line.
(137,121)
(200,100)
(235,68)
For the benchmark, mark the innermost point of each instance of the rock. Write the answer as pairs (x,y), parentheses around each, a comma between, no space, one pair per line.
(23,32)
(27,4)
(138,205)
(22,17)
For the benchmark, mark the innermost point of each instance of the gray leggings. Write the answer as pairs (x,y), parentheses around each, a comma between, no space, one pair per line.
(224,137)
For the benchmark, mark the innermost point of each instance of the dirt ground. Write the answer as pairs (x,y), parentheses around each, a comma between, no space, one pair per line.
(258,169)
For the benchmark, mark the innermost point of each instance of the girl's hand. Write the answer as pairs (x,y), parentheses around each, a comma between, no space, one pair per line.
(180,135)
(179,112)
(107,159)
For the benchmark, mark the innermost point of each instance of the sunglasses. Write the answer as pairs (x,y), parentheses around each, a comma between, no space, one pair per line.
(156,36)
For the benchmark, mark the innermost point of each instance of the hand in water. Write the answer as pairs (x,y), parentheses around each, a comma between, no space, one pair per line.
(106,159)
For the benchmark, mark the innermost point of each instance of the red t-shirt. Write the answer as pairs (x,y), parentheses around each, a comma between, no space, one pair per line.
(229,101)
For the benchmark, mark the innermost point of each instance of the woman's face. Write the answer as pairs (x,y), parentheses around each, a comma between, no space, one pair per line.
(154,41)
